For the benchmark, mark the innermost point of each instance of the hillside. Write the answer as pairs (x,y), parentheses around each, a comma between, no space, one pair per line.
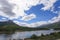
(9,26)
(54,26)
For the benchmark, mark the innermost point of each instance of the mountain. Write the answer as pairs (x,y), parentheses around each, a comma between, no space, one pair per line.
(51,26)
(6,23)
(10,26)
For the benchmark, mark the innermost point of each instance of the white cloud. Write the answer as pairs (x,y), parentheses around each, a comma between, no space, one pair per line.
(18,6)
(6,9)
(39,23)
(20,23)
(36,24)
(48,4)
(55,19)
(28,17)
(21,5)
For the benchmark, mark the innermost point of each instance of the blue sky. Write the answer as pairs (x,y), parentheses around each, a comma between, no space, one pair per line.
(3,18)
(41,15)
(34,14)
(56,5)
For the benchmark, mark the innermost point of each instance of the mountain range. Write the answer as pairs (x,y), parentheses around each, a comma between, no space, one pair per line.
(9,25)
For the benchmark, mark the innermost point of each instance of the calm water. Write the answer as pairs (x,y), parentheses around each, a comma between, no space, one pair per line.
(27,34)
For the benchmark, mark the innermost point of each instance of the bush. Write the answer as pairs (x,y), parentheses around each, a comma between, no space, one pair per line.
(34,36)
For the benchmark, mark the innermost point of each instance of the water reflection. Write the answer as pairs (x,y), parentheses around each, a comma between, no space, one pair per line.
(26,34)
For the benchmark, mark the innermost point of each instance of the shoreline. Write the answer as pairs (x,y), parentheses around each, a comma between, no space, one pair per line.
(12,32)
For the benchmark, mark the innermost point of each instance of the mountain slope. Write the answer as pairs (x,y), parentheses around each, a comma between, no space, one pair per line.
(10,26)
(52,26)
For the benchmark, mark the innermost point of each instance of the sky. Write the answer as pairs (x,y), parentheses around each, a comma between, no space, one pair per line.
(30,13)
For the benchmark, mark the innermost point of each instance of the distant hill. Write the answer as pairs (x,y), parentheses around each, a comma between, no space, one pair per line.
(10,26)
(51,26)
(6,23)
(54,25)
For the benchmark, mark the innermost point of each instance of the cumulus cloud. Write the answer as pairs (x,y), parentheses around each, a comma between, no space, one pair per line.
(6,8)
(20,23)
(28,17)
(47,4)
(55,19)
(36,24)
(39,23)
(15,8)
(21,5)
